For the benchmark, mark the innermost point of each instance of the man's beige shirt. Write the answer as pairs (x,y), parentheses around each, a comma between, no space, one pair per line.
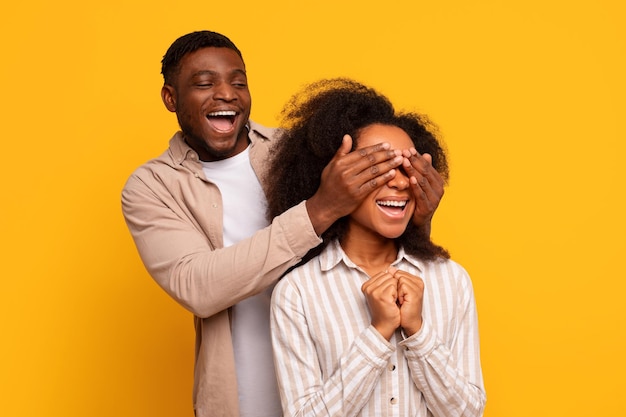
(175,217)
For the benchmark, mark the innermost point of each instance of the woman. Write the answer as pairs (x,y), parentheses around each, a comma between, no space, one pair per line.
(377,320)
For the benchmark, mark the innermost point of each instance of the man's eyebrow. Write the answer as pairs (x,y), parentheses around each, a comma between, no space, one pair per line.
(211,72)
(239,71)
(204,72)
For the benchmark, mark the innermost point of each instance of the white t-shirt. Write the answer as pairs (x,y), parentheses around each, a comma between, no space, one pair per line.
(244,213)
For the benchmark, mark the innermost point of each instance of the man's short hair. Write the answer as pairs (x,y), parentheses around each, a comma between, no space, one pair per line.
(170,64)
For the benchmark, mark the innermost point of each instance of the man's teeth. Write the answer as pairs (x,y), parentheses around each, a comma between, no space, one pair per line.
(229,113)
(391,203)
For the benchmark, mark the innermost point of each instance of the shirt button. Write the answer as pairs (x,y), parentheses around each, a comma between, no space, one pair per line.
(214,205)
(393,400)
(392,367)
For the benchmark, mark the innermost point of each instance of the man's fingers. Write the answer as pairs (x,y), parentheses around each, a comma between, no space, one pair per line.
(364,157)
(366,169)
(423,176)
(370,162)
(382,146)
(374,169)
(422,164)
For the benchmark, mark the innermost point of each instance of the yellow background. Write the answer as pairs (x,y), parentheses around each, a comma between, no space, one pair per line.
(530,99)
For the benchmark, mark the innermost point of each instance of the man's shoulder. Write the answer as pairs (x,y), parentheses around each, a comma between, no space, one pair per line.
(156,167)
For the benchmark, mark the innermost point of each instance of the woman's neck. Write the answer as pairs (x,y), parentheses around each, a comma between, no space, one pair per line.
(373,253)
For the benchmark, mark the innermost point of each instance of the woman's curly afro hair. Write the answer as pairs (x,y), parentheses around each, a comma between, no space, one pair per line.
(314,122)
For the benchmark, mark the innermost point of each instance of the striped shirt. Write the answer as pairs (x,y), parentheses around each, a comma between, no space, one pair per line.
(330,361)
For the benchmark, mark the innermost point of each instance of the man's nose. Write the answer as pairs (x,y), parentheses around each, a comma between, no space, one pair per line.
(224,91)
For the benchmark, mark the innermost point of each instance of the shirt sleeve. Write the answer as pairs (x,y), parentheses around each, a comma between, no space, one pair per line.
(305,391)
(449,377)
(178,255)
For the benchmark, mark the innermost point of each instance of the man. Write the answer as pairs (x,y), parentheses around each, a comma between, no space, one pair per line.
(197,215)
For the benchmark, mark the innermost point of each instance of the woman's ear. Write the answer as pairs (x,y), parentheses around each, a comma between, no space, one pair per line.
(168,95)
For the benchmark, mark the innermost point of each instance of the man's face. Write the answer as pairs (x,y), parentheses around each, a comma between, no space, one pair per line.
(212,102)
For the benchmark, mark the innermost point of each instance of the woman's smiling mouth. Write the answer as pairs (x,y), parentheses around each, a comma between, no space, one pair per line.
(392,208)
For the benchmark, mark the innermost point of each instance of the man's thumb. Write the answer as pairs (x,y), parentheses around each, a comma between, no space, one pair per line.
(346,145)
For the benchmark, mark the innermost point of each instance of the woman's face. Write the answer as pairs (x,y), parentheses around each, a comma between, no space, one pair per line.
(387,210)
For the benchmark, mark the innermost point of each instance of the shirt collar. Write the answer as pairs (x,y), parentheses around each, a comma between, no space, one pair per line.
(181,151)
(333,254)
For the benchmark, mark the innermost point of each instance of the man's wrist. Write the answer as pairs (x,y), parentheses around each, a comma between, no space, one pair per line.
(319,215)
(424,226)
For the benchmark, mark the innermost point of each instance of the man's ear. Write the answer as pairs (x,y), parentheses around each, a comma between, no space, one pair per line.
(168,95)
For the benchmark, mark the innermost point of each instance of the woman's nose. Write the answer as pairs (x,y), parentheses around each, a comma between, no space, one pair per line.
(400,181)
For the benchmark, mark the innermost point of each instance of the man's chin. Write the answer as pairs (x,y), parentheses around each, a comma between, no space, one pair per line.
(214,145)
(223,152)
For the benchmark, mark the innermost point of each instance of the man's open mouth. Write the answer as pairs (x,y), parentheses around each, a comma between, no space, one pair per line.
(222,120)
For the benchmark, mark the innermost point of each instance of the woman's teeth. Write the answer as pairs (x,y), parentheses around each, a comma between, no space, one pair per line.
(390,203)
